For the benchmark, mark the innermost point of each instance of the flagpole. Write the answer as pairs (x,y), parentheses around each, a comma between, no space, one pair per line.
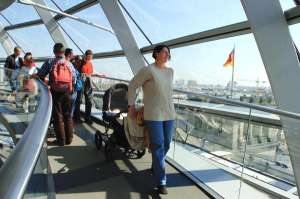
(232,75)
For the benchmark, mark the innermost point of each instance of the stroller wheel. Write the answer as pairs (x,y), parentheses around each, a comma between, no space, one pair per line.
(134,154)
(108,150)
(140,153)
(98,140)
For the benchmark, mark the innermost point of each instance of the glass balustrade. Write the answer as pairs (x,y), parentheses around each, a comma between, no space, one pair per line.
(232,147)
(18,109)
(228,146)
(39,185)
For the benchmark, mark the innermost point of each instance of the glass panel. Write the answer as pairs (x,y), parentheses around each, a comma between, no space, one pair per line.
(18,107)
(18,13)
(113,67)
(38,183)
(200,68)
(50,4)
(161,19)
(64,5)
(209,144)
(42,43)
(69,41)
(100,86)
(267,158)
(2,52)
(6,143)
(295,31)
(287,4)
(3,21)
(140,39)
(219,143)
(88,37)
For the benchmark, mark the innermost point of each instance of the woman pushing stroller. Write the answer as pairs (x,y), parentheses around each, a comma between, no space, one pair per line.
(159,113)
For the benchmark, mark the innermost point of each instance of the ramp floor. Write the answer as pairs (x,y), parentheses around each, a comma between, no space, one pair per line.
(81,171)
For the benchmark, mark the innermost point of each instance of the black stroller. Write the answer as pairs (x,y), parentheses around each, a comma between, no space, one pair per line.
(115,103)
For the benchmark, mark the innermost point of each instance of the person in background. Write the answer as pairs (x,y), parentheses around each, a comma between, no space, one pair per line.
(156,81)
(26,87)
(61,93)
(69,56)
(13,63)
(87,72)
(29,66)
(78,62)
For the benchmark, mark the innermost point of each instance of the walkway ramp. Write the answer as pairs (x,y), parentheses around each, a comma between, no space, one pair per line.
(81,171)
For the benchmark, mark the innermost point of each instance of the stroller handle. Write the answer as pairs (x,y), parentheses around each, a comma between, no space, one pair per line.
(118,114)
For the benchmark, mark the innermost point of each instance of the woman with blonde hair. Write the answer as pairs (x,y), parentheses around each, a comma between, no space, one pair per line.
(159,114)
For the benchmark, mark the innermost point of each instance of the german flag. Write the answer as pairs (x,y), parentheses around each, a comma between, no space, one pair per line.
(230,59)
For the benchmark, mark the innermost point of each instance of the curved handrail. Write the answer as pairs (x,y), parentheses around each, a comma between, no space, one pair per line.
(230,102)
(17,170)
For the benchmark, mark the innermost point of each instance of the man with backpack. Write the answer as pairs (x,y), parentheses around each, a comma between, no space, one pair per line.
(61,81)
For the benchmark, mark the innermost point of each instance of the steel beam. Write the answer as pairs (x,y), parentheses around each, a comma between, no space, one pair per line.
(271,32)
(5,41)
(50,23)
(118,22)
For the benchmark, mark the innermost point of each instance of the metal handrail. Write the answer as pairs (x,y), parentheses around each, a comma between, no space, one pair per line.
(44,7)
(17,170)
(230,102)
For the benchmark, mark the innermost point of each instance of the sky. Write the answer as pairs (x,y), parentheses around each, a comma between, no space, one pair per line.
(160,20)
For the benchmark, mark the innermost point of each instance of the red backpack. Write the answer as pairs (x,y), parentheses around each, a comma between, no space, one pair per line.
(28,85)
(61,77)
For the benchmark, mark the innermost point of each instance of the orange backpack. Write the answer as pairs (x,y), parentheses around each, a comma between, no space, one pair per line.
(61,77)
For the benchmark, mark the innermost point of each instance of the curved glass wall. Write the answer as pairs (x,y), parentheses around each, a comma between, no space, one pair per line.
(67,3)
(200,68)
(245,153)
(117,67)
(35,39)
(295,31)
(248,145)
(16,108)
(19,13)
(88,37)
(138,36)
(3,20)
(165,17)
(2,52)
(287,4)
(69,38)
(6,144)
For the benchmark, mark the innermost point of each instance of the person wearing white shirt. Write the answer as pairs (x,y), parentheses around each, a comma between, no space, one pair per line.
(159,113)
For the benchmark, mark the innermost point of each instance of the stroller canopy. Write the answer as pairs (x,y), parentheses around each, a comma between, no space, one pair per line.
(115,98)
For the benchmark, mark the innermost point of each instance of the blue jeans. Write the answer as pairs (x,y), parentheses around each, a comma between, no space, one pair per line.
(73,97)
(160,133)
(12,76)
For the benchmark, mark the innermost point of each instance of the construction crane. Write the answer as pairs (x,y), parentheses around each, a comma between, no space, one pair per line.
(258,83)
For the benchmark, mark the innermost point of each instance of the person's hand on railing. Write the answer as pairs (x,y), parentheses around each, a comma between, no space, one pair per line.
(34,76)
(98,75)
(132,112)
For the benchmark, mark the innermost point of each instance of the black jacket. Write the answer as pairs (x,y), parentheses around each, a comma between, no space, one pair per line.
(11,62)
